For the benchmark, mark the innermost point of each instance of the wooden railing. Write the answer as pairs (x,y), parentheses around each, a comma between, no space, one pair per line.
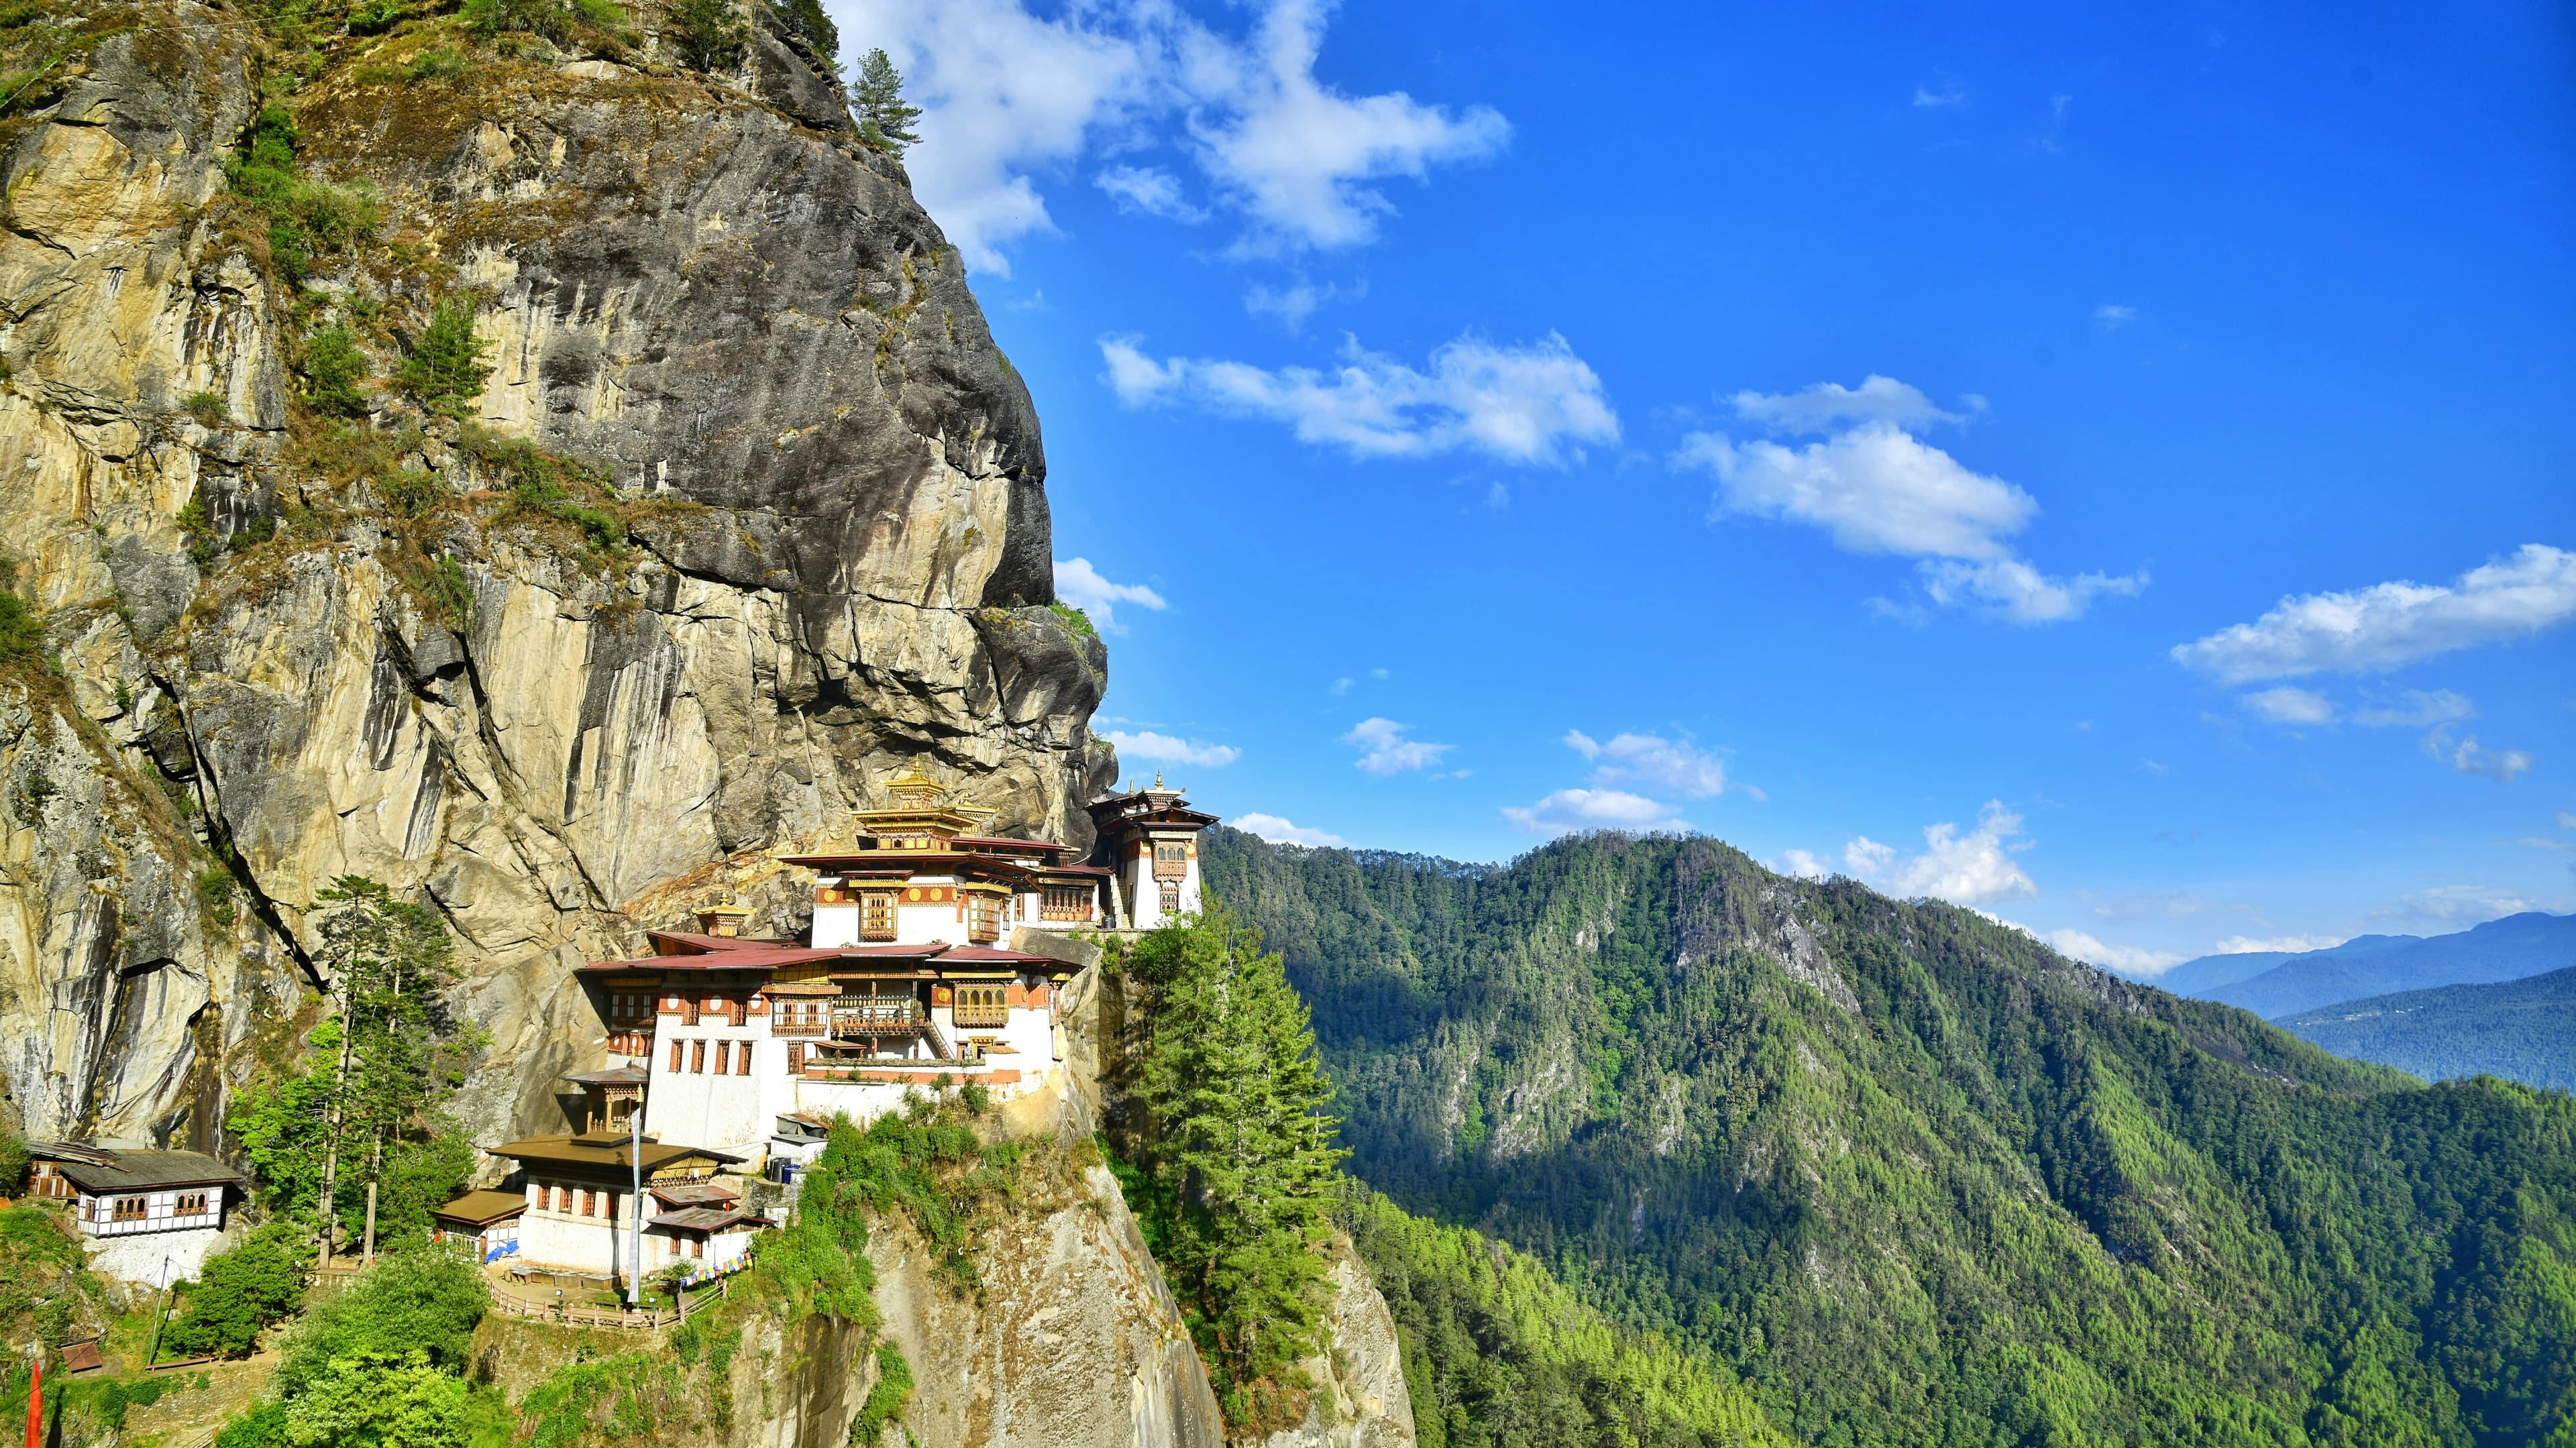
(889,1015)
(588,1314)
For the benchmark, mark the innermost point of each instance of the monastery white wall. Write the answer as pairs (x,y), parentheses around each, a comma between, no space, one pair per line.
(730,1113)
(153,1259)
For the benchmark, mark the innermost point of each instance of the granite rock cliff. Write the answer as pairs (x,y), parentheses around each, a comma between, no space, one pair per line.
(825,551)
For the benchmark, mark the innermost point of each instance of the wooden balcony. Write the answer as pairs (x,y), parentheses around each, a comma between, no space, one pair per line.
(887,1016)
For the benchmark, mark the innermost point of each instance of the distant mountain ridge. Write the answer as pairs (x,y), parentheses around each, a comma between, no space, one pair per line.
(2523,1030)
(2513,948)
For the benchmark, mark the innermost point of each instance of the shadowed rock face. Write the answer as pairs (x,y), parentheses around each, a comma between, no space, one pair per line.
(710,291)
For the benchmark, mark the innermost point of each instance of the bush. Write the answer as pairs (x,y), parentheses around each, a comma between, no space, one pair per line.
(1075,621)
(425,1300)
(374,17)
(887,1400)
(208,408)
(241,1293)
(561,21)
(438,63)
(380,1399)
(333,368)
(446,370)
(22,633)
(707,34)
(13,1163)
(809,21)
(307,220)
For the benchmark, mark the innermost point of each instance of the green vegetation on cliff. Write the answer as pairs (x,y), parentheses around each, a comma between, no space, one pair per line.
(1917,1178)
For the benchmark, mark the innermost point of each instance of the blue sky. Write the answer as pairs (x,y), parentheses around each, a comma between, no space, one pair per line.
(2113,467)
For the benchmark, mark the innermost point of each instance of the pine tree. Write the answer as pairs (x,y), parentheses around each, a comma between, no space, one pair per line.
(446,369)
(1239,1135)
(708,35)
(883,117)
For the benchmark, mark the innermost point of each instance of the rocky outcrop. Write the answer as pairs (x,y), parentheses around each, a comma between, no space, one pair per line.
(1359,1399)
(706,290)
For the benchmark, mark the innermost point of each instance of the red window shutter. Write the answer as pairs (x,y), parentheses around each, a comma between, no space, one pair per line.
(724,1056)
(675,1057)
(795,1058)
(742,1059)
(697,1058)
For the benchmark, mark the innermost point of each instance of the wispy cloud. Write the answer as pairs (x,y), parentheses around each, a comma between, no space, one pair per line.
(2387,625)
(2127,960)
(1653,762)
(1533,404)
(1293,303)
(2466,756)
(2288,705)
(1876,487)
(1929,99)
(1384,749)
(1169,750)
(1280,832)
(1012,97)
(2420,710)
(2293,944)
(2472,903)
(2111,316)
(1569,810)
(1080,585)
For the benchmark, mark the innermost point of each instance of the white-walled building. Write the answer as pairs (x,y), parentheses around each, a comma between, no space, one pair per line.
(144,1216)
(1149,839)
(579,1205)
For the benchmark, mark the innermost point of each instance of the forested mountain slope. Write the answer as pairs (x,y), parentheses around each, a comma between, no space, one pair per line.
(2522,1030)
(2516,947)
(1918,1178)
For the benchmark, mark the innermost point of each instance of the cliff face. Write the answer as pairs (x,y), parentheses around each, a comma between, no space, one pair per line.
(708,291)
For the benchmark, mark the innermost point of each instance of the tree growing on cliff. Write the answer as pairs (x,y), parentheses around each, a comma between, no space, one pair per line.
(884,119)
(708,35)
(446,370)
(806,17)
(1237,1140)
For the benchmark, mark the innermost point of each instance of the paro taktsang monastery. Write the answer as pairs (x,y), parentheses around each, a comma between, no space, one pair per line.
(926,967)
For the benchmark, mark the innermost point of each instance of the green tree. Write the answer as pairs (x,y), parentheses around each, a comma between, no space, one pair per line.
(380,1400)
(808,19)
(446,370)
(241,1292)
(426,1301)
(333,368)
(708,34)
(884,119)
(1237,1134)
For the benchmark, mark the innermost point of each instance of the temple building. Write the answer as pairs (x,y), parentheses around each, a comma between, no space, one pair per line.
(144,1216)
(932,961)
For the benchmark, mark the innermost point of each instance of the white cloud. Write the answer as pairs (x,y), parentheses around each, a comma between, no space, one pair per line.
(2473,903)
(2391,624)
(2014,590)
(1926,98)
(1964,869)
(1298,156)
(2566,821)
(1877,488)
(2111,316)
(1652,761)
(2288,705)
(1280,832)
(1295,302)
(1828,405)
(1164,747)
(1010,98)
(1079,584)
(1150,190)
(1384,749)
(2467,757)
(2127,960)
(1531,404)
(2293,944)
(1339,688)
(1568,810)
(1805,866)
(2441,706)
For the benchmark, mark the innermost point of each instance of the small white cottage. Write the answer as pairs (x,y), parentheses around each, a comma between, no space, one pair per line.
(147,1217)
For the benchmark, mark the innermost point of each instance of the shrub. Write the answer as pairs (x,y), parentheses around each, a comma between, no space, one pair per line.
(215,894)
(446,370)
(708,35)
(306,219)
(374,17)
(22,633)
(809,21)
(208,408)
(561,21)
(242,1292)
(382,1399)
(13,1163)
(333,368)
(426,1300)
(438,63)
(1075,621)
(887,1400)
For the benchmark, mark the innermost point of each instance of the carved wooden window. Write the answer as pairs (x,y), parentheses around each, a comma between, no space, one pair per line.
(131,1209)
(724,1056)
(697,1058)
(795,1058)
(1067,902)
(742,1059)
(876,915)
(982,1005)
(1171,859)
(192,1204)
(983,917)
(675,1058)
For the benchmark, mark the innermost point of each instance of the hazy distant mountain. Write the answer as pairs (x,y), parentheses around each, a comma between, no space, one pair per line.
(2500,950)
(2523,1030)
(2197,978)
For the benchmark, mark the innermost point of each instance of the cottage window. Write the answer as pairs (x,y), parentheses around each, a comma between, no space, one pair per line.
(983,917)
(982,1005)
(675,1058)
(697,1058)
(876,915)
(131,1209)
(724,1054)
(742,1059)
(582,1200)
(1067,902)
(192,1204)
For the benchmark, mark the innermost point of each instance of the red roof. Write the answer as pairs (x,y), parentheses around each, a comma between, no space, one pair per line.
(758,957)
(691,943)
(964,954)
(1006,841)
